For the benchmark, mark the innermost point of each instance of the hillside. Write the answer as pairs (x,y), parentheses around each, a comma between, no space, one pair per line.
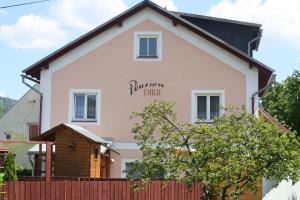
(5,105)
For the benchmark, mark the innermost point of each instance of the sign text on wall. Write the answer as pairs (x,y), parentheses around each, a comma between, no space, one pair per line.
(149,88)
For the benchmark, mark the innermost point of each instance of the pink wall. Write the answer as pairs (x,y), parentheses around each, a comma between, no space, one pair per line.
(110,67)
(116,166)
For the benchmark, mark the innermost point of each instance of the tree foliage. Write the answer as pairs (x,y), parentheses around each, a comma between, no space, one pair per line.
(5,105)
(283,101)
(227,157)
(9,168)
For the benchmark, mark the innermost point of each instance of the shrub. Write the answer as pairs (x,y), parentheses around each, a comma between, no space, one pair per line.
(9,168)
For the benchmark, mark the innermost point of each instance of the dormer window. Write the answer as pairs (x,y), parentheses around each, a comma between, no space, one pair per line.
(147,46)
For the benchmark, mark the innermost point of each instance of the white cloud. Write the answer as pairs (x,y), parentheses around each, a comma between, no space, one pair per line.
(36,32)
(280,19)
(2,93)
(86,14)
(169,4)
(31,31)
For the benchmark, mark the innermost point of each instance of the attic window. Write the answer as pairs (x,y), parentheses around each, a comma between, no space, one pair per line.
(147,46)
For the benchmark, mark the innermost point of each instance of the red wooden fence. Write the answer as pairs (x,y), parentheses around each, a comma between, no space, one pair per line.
(103,189)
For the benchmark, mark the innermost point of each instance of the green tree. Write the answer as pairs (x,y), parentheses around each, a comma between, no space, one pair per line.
(227,157)
(283,101)
(5,105)
(9,168)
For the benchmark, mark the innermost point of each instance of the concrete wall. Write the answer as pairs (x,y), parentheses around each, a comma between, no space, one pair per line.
(15,122)
(284,191)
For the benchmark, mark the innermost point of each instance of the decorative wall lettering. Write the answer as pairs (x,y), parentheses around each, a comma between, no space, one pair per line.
(150,88)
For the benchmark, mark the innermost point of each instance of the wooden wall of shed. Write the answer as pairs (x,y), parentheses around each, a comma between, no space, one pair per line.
(95,161)
(71,162)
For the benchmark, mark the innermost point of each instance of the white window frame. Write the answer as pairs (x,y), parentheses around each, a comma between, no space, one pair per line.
(123,165)
(196,93)
(85,92)
(138,35)
(7,133)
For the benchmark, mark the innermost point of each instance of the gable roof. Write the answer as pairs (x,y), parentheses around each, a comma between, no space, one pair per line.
(264,71)
(269,118)
(49,135)
(17,102)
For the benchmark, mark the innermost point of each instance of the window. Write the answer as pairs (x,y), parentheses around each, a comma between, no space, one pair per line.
(32,130)
(7,136)
(85,105)
(207,105)
(147,46)
(126,165)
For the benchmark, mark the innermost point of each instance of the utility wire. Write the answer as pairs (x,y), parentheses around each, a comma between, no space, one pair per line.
(22,4)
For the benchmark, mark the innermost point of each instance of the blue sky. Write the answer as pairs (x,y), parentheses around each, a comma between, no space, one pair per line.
(29,33)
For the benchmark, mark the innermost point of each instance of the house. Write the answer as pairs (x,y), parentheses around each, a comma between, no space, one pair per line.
(3,153)
(146,53)
(21,122)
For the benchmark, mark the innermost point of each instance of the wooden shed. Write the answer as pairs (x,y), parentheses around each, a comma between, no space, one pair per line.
(78,152)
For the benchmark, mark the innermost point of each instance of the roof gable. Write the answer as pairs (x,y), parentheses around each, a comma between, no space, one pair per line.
(264,71)
(50,134)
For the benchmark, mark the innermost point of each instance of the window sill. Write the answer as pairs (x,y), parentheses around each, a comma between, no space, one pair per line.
(83,121)
(147,57)
(204,121)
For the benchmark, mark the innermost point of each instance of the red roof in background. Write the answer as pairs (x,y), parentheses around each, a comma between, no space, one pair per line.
(4,149)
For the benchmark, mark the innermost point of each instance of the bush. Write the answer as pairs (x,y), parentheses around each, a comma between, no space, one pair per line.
(23,171)
(9,168)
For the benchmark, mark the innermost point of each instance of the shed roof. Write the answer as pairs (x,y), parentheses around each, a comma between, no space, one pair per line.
(49,135)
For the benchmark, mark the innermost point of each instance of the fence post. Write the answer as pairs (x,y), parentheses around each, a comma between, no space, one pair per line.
(48,161)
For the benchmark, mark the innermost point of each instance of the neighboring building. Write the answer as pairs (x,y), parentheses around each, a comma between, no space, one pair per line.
(21,122)
(3,153)
(274,190)
(146,53)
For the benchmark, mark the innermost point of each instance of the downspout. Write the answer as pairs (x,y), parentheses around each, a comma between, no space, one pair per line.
(40,117)
(270,81)
(253,40)
(31,163)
